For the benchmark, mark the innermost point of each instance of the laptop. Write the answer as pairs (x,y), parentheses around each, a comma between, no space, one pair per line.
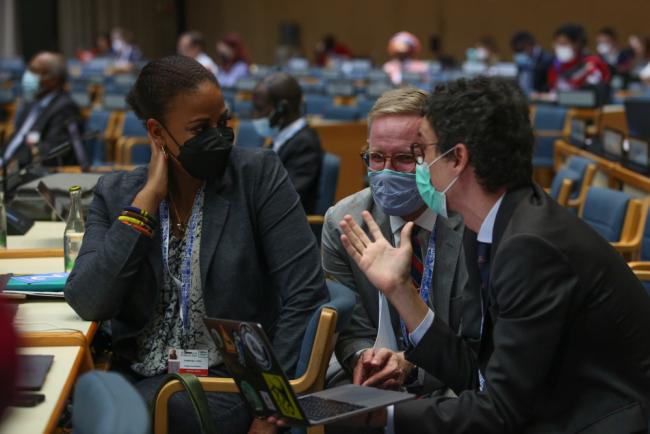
(637,113)
(578,132)
(250,359)
(638,153)
(611,143)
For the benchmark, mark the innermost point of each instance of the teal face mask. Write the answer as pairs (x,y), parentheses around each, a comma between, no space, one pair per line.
(436,200)
(30,84)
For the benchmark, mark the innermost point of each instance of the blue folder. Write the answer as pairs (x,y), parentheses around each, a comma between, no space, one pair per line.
(50,282)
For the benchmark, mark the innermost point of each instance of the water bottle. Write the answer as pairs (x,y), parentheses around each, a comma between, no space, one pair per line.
(74,229)
(3,222)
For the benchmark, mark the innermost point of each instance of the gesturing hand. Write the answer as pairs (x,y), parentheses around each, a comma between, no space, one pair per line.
(386,267)
(155,189)
(382,368)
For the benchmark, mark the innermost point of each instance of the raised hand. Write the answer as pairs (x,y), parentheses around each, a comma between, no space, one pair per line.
(387,267)
(155,189)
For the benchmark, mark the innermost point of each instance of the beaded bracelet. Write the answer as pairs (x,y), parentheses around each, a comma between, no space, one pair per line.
(140,229)
(134,221)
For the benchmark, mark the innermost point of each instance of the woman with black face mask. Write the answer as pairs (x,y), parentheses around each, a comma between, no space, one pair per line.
(205,230)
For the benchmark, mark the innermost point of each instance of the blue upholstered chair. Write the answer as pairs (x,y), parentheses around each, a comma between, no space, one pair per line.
(348,113)
(641,265)
(247,136)
(616,217)
(327,183)
(571,183)
(98,122)
(104,402)
(133,145)
(316,104)
(548,123)
(317,347)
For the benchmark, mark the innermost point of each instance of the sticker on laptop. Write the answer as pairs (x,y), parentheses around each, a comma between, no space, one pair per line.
(240,349)
(282,396)
(251,396)
(227,341)
(217,339)
(268,401)
(256,347)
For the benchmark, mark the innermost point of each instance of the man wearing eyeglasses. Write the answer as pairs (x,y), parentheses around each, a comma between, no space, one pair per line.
(372,347)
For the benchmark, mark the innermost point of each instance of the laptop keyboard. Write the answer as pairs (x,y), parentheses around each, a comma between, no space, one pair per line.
(317,408)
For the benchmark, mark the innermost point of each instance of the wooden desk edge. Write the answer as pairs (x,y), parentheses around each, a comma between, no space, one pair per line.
(30,253)
(65,392)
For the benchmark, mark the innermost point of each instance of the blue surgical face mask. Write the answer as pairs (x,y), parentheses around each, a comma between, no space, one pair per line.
(30,84)
(523,60)
(263,128)
(436,200)
(396,193)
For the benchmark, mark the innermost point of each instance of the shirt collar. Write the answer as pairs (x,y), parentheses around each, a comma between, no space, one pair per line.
(288,132)
(487,227)
(426,220)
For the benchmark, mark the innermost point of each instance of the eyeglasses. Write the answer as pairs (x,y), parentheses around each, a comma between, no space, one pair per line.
(418,151)
(377,161)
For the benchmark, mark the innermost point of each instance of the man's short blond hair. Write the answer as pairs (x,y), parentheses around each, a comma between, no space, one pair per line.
(402,101)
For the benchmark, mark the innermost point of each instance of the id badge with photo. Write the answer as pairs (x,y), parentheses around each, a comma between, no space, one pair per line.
(188,362)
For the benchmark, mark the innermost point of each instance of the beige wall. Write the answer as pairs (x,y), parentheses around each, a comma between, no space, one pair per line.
(366,25)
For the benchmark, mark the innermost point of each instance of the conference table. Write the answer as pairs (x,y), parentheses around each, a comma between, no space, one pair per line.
(46,326)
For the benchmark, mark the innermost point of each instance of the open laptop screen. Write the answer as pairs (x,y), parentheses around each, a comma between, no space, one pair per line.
(638,151)
(578,131)
(613,142)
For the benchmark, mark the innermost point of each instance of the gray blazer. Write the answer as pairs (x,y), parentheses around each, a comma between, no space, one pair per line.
(450,292)
(259,259)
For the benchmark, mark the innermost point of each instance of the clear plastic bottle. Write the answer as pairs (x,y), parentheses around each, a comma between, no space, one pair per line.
(74,229)
(3,222)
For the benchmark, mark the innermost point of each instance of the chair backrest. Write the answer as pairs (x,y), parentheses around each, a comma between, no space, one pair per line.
(549,118)
(97,122)
(645,241)
(317,104)
(342,113)
(115,101)
(243,109)
(104,402)
(133,126)
(247,136)
(327,183)
(604,210)
(342,299)
(574,170)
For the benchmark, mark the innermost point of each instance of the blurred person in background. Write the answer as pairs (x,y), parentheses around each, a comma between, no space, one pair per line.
(330,49)
(232,59)
(532,62)
(192,44)
(126,53)
(403,48)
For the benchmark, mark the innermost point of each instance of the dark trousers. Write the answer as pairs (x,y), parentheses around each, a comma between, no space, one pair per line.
(229,413)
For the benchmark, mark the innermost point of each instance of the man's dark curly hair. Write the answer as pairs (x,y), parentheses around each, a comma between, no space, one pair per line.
(490,116)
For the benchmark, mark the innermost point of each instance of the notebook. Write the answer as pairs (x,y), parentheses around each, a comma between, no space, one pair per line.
(33,371)
(50,282)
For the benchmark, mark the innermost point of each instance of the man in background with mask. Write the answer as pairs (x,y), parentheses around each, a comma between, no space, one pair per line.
(277,102)
(192,44)
(45,119)
(437,265)
(532,62)
(573,69)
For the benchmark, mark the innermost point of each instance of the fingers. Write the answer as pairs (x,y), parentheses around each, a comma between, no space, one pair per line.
(385,365)
(360,372)
(372,226)
(355,229)
(405,237)
(352,237)
(352,251)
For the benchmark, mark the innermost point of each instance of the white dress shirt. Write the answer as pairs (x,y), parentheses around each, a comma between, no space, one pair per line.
(288,132)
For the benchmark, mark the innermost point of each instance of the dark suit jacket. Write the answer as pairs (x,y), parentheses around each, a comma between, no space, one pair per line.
(52,124)
(302,156)
(259,259)
(451,292)
(566,348)
(542,62)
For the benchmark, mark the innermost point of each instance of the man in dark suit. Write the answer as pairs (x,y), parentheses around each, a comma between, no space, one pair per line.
(532,62)
(565,343)
(393,200)
(45,120)
(277,103)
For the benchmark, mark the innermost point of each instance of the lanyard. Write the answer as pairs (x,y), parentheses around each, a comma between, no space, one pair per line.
(427,277)
(185,283)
